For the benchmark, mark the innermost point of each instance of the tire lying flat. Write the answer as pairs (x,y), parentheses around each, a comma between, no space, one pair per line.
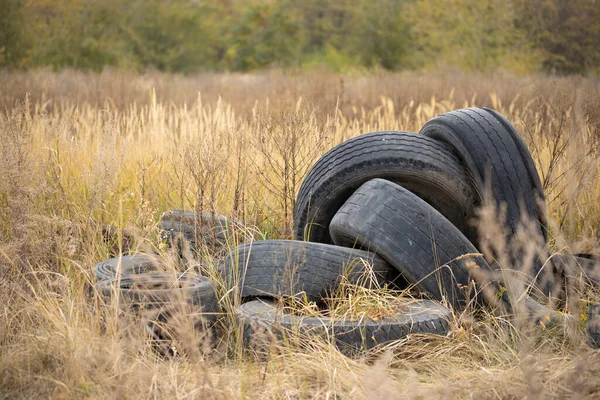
(425,317)
(418,163)
(127,265)
(166,302)
(206,228)
(490,147)
(155,290)
(421,243)
(276,268)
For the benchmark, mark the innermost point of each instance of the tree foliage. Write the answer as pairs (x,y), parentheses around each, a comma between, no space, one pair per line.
(567,31)
(472,34)
(192,35)
(266,33)
(13,46)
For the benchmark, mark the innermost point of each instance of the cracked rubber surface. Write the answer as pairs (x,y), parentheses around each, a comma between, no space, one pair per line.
(491,148)
(263,319)
(421,243)
(418,163)
(277,268)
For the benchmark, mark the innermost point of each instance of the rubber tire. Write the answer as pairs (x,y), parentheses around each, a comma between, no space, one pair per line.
(208,228)
(532,171)
(591,256)
(593,325)
(158,289)
(480,135)
(136,264)
(489,146)
(263,268)
(407,232)
(422,317)
(574,267)
(418,163)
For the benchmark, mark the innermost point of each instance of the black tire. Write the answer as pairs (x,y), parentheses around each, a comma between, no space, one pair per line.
(593,325)
(490,147)
(421,243)
(276,268)
(591,256)
(129,265)
(418,163)
(205,228)
(421,317)
(154,290)
(585,266)
(532,171)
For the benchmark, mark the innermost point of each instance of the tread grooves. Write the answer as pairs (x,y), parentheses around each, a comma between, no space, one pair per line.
(442,178)
(387,216)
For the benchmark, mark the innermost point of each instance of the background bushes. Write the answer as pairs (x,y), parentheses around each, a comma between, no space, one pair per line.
(521,36)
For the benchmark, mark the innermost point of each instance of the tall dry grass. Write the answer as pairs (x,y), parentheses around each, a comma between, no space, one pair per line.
(79,152)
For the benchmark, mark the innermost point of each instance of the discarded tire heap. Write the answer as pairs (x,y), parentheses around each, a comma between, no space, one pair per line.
(397,205)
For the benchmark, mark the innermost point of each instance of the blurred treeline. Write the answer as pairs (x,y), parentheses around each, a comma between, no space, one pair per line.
(523,36)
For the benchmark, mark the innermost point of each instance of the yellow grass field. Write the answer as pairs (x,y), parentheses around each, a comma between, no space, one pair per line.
(82,151)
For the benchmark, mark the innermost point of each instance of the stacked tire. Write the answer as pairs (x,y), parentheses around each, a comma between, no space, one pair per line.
(160,298)
(410,201)
(400,207)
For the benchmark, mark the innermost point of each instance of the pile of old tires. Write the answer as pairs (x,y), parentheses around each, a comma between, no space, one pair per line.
(399,206)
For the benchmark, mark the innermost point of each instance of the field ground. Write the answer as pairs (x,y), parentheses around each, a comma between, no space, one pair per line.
(79,152)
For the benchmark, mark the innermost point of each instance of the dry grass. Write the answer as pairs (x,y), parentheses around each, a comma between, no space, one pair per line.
(364,297)
(81,151)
